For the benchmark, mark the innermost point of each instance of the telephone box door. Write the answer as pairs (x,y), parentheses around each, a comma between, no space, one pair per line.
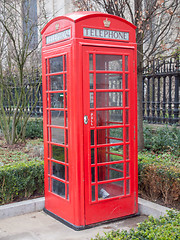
(109,133)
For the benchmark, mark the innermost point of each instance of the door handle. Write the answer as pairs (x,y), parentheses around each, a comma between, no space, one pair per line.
(85,119)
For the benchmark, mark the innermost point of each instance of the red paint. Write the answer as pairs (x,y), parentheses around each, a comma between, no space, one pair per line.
(90,169)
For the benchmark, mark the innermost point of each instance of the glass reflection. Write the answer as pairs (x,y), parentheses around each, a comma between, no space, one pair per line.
(57,135)
(56,64)
(90,61)
(126,63)
(57,100)
(58,170)
(57,118)
(58,153)
(58,188)
(108,81)
(109,172)
(91,99)
(110,154)
(109,117)
(108,62)
(56,82)
(93,193)
(108,190)
(108,99)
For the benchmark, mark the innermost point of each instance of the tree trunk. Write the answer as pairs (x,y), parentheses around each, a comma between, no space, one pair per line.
(139,39)
(140,110)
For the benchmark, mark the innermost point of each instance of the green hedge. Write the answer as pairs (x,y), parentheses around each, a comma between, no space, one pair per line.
(165,228)
(159,177)
(164,138)
(21,180)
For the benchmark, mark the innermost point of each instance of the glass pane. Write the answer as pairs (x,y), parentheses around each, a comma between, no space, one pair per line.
(56,64)
(47,98)
(92,174)
(93,193)
(92,137)
(102,136)
(56,82)
(58,153)
(67,160)
(49,167)
(127,186)
(92,156)
(57,100)
(58,170)
(126,99)
(46,66)
(57,135)
(48,152)
(48,183)
(66,103)
(108,81)
(108,190)
(91,78)
(66,136)
(57,118)
(48,118)
(127,169)
(110,154)
(108,172)
(47,84)
(126,63)
(66,114)
(127,116)
(127,151)
(65,63)
(65,76)
(108,99)
(67,191)
(127,134)
(90,61)
(58,188)
(67,172)
(116,133)
(126,81)
(91,99)
(108,62)
(109,117)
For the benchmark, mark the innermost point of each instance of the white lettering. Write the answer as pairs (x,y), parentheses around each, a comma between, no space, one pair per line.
(100,33)
(58,36)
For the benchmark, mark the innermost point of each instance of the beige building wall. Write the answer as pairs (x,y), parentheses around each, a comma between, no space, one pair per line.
(56,8)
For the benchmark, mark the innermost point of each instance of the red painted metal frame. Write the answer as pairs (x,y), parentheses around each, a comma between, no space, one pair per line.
(79,210)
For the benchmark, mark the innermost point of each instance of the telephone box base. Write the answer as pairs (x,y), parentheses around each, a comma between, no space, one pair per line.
(79,228)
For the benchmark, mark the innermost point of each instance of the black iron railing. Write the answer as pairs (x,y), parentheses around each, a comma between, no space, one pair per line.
(33,99)
(161,85)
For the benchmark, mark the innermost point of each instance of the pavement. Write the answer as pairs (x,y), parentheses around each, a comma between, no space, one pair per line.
(40,226)
(26,221)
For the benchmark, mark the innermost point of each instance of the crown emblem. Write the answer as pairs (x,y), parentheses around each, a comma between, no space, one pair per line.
(107,23)
(57,26)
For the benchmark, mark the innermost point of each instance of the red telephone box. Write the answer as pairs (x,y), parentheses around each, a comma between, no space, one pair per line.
(90,118)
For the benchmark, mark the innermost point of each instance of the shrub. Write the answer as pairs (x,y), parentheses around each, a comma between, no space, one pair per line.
(34,128)
(162,139)
(159,177)
(21,180)
(166,228)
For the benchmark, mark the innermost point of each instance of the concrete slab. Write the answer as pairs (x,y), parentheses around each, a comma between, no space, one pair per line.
(34,205)
(23,207)
(150,208)
(40,226)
